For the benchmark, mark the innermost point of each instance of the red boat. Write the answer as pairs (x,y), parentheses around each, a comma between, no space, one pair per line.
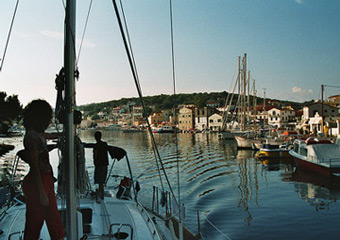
(317,155)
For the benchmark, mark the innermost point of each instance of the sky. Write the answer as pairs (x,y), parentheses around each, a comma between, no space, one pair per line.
(292,48)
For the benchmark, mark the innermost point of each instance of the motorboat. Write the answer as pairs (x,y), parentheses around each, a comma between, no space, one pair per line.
(164,129)
(269,150)
(317,155)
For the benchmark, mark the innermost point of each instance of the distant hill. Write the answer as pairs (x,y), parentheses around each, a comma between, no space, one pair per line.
(163,101)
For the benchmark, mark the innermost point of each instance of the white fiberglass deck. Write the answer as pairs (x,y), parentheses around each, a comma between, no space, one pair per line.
(125,215)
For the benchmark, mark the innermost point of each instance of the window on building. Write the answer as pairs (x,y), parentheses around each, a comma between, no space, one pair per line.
(202,112)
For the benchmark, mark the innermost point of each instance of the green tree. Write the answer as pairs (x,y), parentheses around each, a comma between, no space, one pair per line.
(10,111)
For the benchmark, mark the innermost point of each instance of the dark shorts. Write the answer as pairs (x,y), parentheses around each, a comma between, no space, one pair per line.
(100,174)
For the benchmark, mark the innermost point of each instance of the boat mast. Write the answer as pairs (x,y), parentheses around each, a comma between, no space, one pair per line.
(254,105)
(69,157)
(322,89)
(248,98)
(243,89)
(264,107)
(239,110)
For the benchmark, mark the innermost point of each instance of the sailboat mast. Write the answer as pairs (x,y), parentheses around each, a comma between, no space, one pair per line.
(69,157)
(248,98)
(239,110)
(243,97)
(322,89)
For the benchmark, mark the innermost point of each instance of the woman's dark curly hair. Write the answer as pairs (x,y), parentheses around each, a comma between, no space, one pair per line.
(37,115)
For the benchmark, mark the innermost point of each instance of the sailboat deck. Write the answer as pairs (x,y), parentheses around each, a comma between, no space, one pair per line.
(115,214)
(124,216)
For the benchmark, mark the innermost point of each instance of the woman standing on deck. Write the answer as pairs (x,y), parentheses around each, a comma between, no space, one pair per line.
(38,184)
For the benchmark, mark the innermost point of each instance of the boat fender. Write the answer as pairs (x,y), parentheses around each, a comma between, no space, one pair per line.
(124,188)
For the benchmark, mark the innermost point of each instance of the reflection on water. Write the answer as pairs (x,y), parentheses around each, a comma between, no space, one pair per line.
(242,197)
(318,191)
(247,173)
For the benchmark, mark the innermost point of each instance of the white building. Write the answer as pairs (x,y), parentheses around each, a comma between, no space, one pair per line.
(201,117)
(215,122)
(281,117)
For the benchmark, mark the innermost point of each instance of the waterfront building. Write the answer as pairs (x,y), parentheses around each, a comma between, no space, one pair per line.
(281,118)
(213,104)
(201,117)
(312,119)
(262,113)
(186,120)
(156,118)
(167,115)
(334,100)
(215,122)
(311,110)
(116,111)
(137,111)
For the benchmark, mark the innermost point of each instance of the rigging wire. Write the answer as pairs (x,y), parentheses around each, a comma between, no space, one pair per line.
(134,73)
(9,35)
(129,42)
(218,230)
(138,86)
(174,85)
(82,39)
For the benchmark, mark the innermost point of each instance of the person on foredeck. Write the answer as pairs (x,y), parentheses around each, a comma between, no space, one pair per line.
(38,185)
(101,161)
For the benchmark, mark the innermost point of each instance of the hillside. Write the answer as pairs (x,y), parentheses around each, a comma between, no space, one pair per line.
(161,102)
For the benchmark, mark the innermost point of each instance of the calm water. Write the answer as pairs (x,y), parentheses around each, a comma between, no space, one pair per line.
(238,197)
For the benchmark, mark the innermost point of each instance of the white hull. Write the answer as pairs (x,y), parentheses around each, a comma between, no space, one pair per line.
(243,142)
(230,134)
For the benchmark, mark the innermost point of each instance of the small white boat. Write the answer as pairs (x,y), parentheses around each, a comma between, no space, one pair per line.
(132,129)
(164,129)
(113,127)
(317,155)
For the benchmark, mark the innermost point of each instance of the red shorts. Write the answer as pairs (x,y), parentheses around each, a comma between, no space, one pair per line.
(37,213)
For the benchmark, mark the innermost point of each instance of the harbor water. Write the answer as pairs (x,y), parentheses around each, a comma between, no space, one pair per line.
(237,196)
